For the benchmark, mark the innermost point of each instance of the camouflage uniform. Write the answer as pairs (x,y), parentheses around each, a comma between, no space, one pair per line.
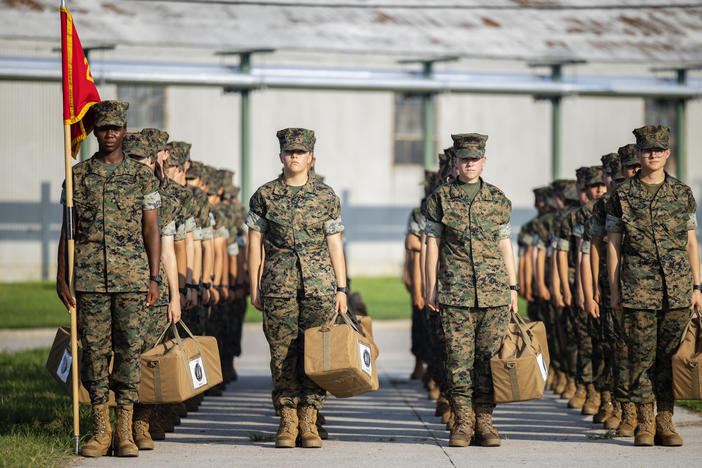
(298,285)
(473,288)
(655,278)
(418,327)
(111,267)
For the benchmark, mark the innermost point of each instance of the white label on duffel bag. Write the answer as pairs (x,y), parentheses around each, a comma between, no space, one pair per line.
(542,366)
(197,372)
(64,367)
(366,361)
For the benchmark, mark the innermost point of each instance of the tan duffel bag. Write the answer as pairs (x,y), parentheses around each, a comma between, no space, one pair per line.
(340,357)
(179,369)
(687,384)
(59,366)
(520,368)
(367,327)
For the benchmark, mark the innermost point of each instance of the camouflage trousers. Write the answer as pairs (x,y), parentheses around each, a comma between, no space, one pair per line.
(417,346)
(436,349)
(196,318)
(284,323)
(570,349)
(653,337)
(107,323)
(217,324)
(473,336)
(621,365)
(155,322)
(235,327)
(584,342)
(603,364)
(540,310)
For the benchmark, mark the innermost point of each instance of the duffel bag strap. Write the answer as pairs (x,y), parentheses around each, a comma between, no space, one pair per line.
(521,325)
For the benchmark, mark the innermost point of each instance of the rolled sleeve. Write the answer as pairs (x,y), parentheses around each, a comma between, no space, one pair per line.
(169,229)
(505,232)
(221,232)
(190,224)
(538,243)
(598,230)
(692,222)
(585,247)
(152,201)
(528,239)
(614,224)
(180,233)
(256,222)
(207,233)
(197,233)
(233,249)
(433,229)
(578,230)
(563,244)
(333,226)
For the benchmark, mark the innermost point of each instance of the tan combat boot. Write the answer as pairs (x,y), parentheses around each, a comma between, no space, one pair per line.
(434,391)
(549,379)
(629,420)
(485,433)
(592,401)
(418,371)
(570,389)
(605,409)
(155,429)
(561,383)
(101,441)
(615,418)
(462,430)
(123,442)
(441,405)
(451,420)
(665,431)
(287,430)
(646,430)
(578,399)
(307,416)
(140,427)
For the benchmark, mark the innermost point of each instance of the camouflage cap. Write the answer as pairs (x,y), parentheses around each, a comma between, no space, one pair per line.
(542,193)
(593,175)
(565,188)
(652,136)
(156,141)
(431,181)
(580,177)
(627,155)
(607,160)
(469,145)
(209,178)
(110,113)
(179,153)
(134,145)
(194,171)
(292,139)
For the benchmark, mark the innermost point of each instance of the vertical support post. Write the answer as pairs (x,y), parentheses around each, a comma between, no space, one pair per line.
(680,133)
(245,67)
(45,223)
(555,126)
(429,123)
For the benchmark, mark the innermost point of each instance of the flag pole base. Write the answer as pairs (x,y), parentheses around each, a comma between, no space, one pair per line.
(76,440)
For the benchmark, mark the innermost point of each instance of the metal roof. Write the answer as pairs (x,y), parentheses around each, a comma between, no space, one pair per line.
(596,31)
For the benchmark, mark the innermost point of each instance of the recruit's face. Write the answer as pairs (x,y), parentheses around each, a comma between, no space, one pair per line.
(110,137)
(296,161)
(470,169)
(583,196)
(630,171)
(653,159)
(595,191)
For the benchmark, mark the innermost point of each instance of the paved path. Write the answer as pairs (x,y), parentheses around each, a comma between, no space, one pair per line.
(393,427)
(12,340)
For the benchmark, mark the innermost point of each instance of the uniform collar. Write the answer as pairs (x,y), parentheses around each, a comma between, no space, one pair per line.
(458,192)
(281,188)
(663,192)
(98,168)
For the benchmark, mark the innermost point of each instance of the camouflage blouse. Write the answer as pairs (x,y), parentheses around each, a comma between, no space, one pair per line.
(295,225)
(472,271)
(654,260)
(110,254)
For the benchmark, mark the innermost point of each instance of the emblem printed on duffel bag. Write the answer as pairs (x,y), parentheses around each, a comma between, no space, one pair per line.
(197,372)
(366,363)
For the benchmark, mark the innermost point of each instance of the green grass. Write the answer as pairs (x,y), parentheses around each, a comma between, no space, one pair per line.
(31,305)
(35,304)
(36,417)
(695,405)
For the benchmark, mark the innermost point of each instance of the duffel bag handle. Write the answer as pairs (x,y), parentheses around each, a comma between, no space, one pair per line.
(349,320)
(521,325)
(695,315)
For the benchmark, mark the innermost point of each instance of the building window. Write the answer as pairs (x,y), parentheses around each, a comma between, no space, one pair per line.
(409,124)
(146,106)
(662,112)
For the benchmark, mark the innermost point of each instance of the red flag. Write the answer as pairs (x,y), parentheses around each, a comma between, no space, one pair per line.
(79,91)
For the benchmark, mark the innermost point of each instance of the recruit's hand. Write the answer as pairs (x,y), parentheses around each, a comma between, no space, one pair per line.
(432,302)
(174,310)
(341,303)
(225,293)
(205,297)
(190,299)
(514,304)
(544,293)
(557,300)
(592,308)
(418,301)
(615,301)
(64,293)
(598,295)
(696,301)
(567,297)
(529,295)
(214,296)
(153,294)
(256,299)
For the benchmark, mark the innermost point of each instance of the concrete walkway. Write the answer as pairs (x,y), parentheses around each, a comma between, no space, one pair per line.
(393,427)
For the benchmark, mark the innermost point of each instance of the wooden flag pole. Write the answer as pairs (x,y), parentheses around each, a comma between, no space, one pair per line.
(70,250)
